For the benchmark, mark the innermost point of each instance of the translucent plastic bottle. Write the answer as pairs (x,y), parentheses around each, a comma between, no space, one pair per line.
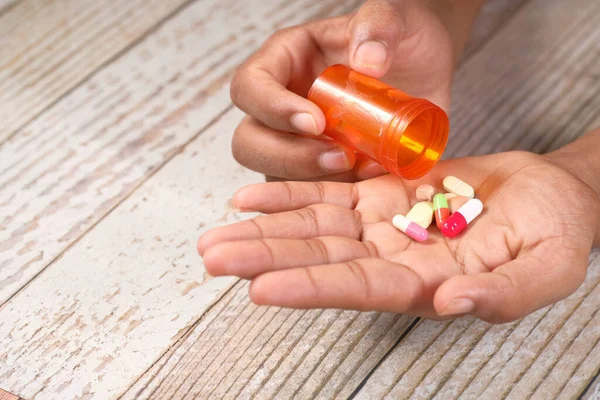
(406,135)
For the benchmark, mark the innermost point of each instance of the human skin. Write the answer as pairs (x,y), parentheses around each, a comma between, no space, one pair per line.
(332,245)
(410,44)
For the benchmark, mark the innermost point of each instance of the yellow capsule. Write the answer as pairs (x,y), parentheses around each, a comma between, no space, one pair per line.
(454,185)
(421,214)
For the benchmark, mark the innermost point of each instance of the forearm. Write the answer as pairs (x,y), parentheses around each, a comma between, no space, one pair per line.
(582,158)
(458,17)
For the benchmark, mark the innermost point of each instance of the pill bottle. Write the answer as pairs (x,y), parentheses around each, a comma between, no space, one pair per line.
(406,135)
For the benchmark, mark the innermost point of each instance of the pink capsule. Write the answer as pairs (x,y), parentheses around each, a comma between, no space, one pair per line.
(461,218)
(412,230)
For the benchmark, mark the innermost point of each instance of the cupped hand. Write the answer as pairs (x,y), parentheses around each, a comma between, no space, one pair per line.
(332,245)
(402,41)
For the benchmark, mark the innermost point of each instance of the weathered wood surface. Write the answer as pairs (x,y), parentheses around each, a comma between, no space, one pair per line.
(133,287)
(5,5)
(493,16)
(126,291)
(550,354)
(593,391)
(74,163)
(48,47)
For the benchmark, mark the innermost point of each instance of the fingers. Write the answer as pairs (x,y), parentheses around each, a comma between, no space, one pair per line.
(512,290)
(284,196)
(364,284)
(376,31)
(288,156)
(309,222)
(260,86)
(250,258)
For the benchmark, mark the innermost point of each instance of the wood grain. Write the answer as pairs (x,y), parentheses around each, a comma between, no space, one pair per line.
(89,151)
(242,351)
(49,47)
(541,93)
(593,391)
(5,5)
(134,284)
(493,16)
(532,358)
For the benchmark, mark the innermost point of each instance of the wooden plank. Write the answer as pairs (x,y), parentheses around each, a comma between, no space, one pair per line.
(5,5)
(111,305)
(468,358)
(493,16)
(593,391)
(540,93)
(131,287)
(241,351)
(78,160)
(50,47)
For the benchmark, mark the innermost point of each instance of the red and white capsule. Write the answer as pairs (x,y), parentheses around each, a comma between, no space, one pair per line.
(461,218)
(412,229)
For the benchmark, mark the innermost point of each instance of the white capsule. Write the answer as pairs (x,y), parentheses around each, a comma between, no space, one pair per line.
(421,214)
(454,185)
(471,210)
(410,228)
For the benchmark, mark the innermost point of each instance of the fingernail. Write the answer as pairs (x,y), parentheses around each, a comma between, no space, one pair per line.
(371,54)
(305,122)
(334,161)
(459,307)
(230,208)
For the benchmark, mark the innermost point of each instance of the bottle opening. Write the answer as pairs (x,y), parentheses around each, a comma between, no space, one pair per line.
(416,140)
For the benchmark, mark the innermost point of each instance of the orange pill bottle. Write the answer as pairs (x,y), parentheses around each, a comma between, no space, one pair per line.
(406,135)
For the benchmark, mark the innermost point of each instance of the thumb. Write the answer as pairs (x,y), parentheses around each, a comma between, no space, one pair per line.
(376,31)
(512,290)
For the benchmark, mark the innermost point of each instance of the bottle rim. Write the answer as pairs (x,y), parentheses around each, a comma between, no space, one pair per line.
(438,139)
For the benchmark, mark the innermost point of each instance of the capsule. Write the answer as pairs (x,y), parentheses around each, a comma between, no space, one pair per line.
(454,185)
(421,214)
(440,209)
(411,229)
(461,218)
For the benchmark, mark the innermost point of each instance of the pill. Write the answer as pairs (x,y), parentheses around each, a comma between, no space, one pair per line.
(411,229)
(425,192)
(454,185)
(449,196)
(421,214)
(461,218)
(456,202)
(440,208)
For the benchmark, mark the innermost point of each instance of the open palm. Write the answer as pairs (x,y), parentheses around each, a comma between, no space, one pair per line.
(332,245)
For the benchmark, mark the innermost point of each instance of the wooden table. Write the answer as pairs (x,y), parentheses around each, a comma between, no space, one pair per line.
(115,127)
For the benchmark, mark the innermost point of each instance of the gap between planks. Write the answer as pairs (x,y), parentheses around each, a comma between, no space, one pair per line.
(93,68)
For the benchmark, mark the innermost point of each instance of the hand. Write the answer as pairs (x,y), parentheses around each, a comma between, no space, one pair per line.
(403,41)
(332,245)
